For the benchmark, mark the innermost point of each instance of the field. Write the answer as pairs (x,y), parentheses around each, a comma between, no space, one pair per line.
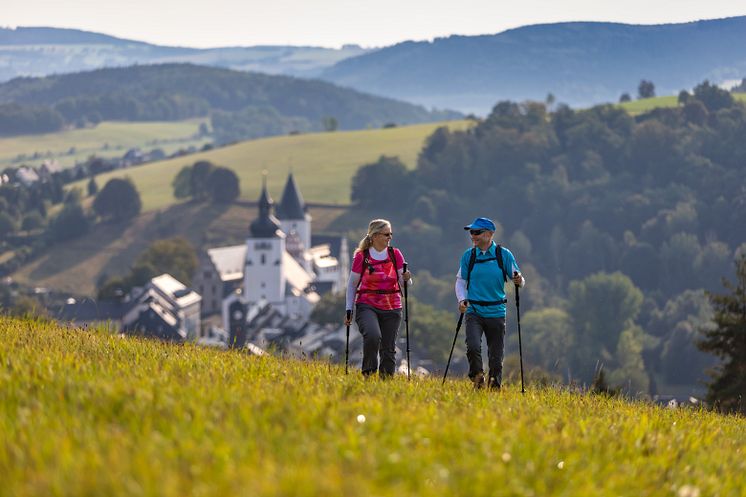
(108,139)
(83,412)
(636,107)
(323,163)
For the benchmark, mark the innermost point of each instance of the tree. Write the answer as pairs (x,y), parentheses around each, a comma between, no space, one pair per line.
(7,225)
(382,183)
(182,183)
(646,89)
(625,98)
(175,256)
(70,223)
(330,123)
(201,170)
(119,200)
(601,307)
(329,309)
(223,185)
(712,97)
(727,340)
(92,187)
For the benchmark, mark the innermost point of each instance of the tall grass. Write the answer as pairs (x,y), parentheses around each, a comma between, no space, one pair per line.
(83,412)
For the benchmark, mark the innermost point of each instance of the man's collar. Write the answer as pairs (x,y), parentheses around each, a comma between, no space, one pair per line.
(489,249)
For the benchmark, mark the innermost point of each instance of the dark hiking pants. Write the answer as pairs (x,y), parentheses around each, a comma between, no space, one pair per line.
(379,329)
(494,332)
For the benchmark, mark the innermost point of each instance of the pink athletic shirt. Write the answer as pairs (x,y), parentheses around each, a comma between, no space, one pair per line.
(384,277)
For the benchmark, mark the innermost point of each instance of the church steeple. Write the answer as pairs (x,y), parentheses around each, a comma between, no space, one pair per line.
(291,203)
(266,225)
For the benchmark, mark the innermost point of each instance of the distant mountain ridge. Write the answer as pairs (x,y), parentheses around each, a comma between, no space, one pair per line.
(581,63)
(40,51)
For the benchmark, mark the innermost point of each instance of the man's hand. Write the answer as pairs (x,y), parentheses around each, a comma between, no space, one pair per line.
(517,278)
(462,306)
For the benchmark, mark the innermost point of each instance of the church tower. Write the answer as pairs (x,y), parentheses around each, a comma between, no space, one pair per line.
(295,221)
(265,247)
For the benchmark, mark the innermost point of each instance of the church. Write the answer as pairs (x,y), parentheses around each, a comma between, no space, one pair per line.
(282,266)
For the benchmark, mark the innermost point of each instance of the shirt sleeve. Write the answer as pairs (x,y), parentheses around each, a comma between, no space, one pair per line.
(352,282)
(357,263)
(461,293)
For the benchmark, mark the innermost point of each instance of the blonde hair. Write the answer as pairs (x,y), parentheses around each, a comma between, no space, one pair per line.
(374,227)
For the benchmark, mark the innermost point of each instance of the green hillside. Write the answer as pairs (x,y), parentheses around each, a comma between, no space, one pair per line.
(108,139)
(323,163)
(110,249)
(88,413)
(636,107)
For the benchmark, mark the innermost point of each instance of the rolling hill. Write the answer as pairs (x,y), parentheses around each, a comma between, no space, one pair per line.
(180,91)
(581,63)
(86,412)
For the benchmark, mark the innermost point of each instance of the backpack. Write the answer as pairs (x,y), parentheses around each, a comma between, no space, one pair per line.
(369,266)
(473,260)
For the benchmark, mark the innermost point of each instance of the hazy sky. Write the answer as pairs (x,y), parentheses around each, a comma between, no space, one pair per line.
(332,23)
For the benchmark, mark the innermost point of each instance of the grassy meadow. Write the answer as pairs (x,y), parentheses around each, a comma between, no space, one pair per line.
(636,107)
(83,412)
(108,139)
(323,163)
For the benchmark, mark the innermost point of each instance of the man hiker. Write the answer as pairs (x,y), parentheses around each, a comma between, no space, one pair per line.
(480,289)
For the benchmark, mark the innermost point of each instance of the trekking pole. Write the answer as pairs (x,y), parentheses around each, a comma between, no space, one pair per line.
(458,327)
(347,343)
(518,319)
(406,317)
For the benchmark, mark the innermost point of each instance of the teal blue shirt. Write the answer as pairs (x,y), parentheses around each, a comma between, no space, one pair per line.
(487,280)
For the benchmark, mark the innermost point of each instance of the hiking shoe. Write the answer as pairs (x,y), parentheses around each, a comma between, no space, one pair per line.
(493,384)
(478,381)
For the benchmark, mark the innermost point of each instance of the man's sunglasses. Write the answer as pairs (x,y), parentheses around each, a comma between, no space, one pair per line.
(476,232)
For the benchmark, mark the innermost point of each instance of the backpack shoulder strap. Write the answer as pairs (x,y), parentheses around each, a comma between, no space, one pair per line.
(392,256)
(472,259)
(499,255)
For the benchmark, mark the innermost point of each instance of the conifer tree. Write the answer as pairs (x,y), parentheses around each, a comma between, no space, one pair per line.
(727,340)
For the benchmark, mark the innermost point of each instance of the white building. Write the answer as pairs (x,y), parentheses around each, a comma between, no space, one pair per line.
(281,264)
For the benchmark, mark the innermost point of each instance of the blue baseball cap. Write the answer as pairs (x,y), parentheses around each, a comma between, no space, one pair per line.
(481,223)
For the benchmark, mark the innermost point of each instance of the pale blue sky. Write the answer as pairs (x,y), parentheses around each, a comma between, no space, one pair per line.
(331,23)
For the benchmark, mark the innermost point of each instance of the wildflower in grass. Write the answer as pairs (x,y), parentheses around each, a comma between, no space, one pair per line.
(361,418)
(688,491)
(561,465)
(506,456)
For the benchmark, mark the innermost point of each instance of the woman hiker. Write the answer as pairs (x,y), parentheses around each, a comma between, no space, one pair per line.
(374,288)
(480,289)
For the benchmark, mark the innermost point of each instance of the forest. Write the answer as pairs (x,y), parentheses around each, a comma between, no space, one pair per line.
(619,223)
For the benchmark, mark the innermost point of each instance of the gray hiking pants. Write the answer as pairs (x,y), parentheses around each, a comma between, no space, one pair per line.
(494,332)
(379,329)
